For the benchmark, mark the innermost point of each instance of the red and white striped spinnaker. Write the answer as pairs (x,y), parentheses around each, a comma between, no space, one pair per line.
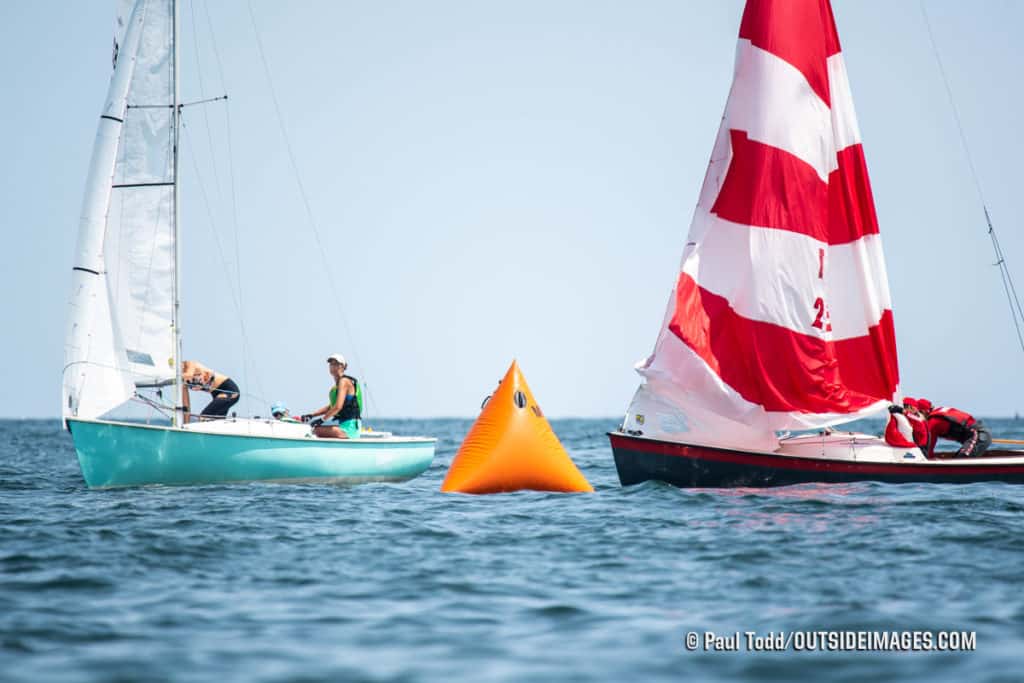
(781,317)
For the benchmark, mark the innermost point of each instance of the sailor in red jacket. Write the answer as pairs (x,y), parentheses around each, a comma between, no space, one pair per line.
(955,425)
(898,431)
(906,428)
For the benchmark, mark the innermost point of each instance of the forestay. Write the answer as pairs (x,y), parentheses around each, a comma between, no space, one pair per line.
(780,317)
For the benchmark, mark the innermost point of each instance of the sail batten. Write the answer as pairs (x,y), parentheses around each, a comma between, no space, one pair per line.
(781,317)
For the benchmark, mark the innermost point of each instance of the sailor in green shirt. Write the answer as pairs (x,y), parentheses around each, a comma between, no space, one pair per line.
(341,417)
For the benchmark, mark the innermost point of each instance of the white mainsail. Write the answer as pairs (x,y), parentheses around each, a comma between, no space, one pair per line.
(120,326)
(140,222)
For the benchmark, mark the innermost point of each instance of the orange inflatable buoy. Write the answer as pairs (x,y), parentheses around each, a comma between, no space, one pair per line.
(512,447)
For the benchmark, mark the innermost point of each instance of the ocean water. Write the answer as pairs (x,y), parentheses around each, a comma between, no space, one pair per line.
(398,582)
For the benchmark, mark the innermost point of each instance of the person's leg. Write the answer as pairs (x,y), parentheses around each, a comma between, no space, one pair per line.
(351,428)
(977,444)
(223,397)
(329,432)
(232,399)
(219,406)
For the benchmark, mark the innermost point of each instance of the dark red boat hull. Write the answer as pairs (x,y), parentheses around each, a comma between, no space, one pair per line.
(639,459)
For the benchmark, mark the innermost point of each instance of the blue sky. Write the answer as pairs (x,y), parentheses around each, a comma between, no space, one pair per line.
(497,180)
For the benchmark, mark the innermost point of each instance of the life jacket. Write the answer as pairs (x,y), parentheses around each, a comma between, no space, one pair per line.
(898,431)
(960,423)
(352,408)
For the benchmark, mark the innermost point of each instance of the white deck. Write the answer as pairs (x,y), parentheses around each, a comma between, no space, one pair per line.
(273,429)
(854,447)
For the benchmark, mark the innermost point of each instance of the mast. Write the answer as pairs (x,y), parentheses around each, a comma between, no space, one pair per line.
(179,412)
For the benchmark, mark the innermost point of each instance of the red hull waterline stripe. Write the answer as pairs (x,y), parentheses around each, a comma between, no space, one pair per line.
(780,369)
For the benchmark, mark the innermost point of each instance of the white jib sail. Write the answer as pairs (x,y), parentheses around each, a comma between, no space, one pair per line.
(119,324)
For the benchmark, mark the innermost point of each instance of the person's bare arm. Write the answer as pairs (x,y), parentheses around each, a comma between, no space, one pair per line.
(316,413)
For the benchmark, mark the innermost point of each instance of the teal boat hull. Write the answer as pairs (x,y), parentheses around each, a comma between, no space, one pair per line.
(114,454)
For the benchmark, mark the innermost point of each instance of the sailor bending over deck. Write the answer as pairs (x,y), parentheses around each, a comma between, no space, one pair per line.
(339,419)
(222,389)
(955,425)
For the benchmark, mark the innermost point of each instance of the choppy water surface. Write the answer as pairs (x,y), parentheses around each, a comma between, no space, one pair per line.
(401,583)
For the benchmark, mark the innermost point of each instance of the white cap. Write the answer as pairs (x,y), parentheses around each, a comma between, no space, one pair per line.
(337,358)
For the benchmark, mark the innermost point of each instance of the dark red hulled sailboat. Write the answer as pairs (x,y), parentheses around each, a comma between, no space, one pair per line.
(831,458)
(781,317)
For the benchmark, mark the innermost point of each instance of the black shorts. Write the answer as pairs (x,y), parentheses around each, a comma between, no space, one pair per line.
(224,396)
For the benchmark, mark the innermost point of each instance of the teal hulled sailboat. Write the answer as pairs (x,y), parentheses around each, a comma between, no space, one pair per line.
(122,454)
(123,334)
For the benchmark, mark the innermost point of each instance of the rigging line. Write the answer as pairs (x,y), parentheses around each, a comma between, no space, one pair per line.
(220,253)
(242,394)
(234,207)
(952,104)
(1016,312)
(205,100)
(305,200)
(213,44)
(1008,286)
(167,409)
(231,158)
(246,360)
(1002,259)
(1016,324)
(226,271)
(202,95)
